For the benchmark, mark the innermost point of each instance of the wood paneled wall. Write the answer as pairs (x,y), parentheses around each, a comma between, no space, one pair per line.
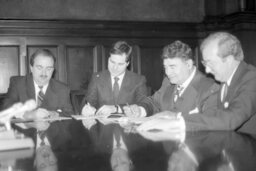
(81,47)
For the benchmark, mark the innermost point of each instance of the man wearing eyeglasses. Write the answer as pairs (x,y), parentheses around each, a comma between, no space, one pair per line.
(52,96)
(223,58)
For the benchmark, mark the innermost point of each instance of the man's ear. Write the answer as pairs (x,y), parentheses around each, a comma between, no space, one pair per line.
(30,67)
(190,63)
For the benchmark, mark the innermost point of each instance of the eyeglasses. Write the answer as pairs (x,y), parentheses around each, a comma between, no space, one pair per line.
(206,63)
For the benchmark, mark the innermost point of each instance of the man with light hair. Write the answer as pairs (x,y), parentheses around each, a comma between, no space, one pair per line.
(223,58)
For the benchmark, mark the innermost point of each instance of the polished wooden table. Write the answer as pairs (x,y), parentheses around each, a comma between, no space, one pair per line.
(112,147)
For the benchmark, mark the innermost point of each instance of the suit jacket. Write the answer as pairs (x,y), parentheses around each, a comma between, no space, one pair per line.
(238,106)
(195,97)
(56,97)
(99,93)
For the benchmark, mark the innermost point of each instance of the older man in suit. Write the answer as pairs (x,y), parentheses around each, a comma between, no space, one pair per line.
(52,96)
(184,90)
(111,89)
(223,57)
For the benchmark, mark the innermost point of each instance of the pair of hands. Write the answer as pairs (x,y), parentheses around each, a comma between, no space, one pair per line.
(40,114)
(105,111)
(163,121)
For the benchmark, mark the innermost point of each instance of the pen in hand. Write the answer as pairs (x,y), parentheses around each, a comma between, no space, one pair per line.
(133,113)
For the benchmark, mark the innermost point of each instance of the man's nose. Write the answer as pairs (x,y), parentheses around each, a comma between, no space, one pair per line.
(168,71)
(44,72)
(207,69)
(115,66)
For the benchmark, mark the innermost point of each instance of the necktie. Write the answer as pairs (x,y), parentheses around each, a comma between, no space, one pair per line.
(42,136)
(40,96)
(177,92)
(116,89)
(117,136)
(224,90)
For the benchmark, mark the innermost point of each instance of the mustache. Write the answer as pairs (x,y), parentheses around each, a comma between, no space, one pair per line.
(43,76)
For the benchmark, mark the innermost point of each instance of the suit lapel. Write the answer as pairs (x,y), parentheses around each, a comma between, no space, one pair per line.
(235,81)
(168,98)
(184,103)
(107,87)
(124,85)
(50,96)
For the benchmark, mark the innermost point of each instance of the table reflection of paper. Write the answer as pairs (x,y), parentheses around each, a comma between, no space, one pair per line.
(19,120)
(158,135)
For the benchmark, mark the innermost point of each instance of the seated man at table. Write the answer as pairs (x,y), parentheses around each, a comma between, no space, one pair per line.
(184,90)
(223,57)
(52,97)
(111,89)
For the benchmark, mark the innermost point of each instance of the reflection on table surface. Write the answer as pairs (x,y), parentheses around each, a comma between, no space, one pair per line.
(112,147)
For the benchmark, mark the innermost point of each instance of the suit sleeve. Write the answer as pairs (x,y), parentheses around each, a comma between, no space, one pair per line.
(92,93)
(152,103)
(12,94)
(141,90)
(67,108)
(239,110)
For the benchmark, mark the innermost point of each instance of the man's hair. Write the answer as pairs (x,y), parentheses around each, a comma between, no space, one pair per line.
(177,49)
(43,52)
(227,44)
(121,47)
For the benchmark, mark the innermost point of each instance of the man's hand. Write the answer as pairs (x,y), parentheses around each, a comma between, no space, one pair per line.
(88,110)
(89,123)
(40,126)
(106,110)
(163,124)
(166,115)
(53,115)
(37,114)
(132,111)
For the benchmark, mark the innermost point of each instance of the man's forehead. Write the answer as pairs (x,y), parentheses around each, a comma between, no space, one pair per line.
(42,60)
(172,61)
(118,58)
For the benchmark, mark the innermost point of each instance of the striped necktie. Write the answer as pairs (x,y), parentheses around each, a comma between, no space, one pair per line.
(177,92)
(116,89)
(40,96)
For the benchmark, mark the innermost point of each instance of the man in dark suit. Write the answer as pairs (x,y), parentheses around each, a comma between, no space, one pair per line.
(52,96)
(223,57)
(184,89)
(111,89)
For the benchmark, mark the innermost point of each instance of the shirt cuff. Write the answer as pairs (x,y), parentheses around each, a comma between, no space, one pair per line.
(143,112)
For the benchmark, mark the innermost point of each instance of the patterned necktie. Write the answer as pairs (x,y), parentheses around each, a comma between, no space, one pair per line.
(117,134)
(40,96)
(177,92)
(224,91)
(116,89)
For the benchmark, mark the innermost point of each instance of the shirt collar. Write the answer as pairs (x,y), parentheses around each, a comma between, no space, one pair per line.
(186,83)
(121,77)
(232,75)
(37,89)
